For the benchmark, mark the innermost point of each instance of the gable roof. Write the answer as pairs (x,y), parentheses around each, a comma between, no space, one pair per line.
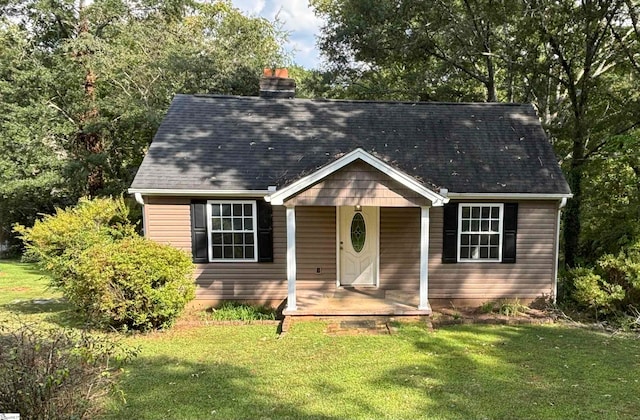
(210,143)
(278,197)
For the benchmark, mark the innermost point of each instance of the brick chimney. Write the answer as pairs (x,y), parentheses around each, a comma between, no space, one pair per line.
(275,83)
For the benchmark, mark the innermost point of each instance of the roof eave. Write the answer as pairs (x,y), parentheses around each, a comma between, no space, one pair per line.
(509,196)
(197,193)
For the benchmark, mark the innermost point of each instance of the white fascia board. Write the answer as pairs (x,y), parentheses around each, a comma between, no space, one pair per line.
(198,193)
(279,197)
(508,196)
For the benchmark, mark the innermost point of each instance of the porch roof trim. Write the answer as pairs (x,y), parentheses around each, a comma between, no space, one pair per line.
(279,197)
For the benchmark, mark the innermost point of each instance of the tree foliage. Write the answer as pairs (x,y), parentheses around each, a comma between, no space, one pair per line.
(576,61)
(84,86)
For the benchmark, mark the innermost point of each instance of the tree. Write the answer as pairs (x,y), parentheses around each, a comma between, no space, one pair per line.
(426,50)
(579,42)
(86,84)
(574,60)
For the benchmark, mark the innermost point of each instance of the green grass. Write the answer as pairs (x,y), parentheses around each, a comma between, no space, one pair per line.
(236,311)
(464,371)
(25,293)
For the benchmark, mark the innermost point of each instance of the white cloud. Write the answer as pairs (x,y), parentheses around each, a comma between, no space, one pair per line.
(297,18)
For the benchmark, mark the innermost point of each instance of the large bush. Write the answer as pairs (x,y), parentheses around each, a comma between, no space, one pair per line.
(56,241)
(611,286)
(113,276)
(133,284)
(57,373)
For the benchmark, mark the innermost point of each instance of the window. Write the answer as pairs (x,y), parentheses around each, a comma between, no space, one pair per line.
(232,230)
(480,232)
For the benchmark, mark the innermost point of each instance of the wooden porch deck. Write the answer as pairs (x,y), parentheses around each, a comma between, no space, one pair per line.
(351,301)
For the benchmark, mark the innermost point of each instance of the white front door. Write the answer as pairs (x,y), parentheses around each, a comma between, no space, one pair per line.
(358,245)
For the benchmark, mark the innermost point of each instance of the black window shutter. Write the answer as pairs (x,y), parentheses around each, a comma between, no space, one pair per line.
(199,242)
(450,233)
(265,232)
(509,232)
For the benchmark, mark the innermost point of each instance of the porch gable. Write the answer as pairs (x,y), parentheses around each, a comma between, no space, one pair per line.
(358,183)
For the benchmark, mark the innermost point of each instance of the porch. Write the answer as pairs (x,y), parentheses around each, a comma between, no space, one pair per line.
(350,301)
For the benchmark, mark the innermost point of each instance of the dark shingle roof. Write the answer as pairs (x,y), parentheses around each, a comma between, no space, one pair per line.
(231,143)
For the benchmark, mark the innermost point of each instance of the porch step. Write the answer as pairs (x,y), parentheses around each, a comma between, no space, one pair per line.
(355,325)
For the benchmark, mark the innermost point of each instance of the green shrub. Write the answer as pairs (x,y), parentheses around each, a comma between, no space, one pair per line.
(134,283)
(611,286)
(57,373)
(56,241)
(511,307)
(236,311)
(112,275)
(488,307)
(592,291)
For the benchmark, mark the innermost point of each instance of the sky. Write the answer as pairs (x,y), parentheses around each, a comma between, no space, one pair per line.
(297,18)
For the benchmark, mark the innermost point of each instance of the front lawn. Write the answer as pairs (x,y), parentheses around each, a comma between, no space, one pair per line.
(247,372)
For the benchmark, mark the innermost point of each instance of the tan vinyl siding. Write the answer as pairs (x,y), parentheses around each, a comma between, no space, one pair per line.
(531,276)
(358,183)
(169,221)
(316,248)
(400,249)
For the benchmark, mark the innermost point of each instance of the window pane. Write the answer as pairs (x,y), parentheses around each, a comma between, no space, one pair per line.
(226,209)
(226,238)
(237,209)
(464,239)
(248,223)
(474,253)
(216,238)
(464,252)
(215,209)
(248,238)
(465,212)
(238,238)
(216,224)
(249,252)
(217,252)
(248,210)
(484,252)
(475,212)
(494,225)
(228,251)
(495,239)
(475,239)
(475,225)
(493,252)
(237,223)
(485,212)
(465,226)
(484,226)
(238,252)
(495,212)
(484,240)
(226,223)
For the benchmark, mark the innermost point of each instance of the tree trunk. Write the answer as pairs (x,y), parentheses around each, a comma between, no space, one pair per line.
(89,142)
(572,213)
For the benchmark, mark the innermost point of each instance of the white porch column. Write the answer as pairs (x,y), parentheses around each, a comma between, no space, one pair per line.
(291,258)
(424,258)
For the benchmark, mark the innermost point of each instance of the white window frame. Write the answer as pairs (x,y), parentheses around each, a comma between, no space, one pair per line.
(500,233)
(210,231)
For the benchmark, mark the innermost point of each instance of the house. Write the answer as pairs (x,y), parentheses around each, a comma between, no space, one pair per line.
(328,203)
